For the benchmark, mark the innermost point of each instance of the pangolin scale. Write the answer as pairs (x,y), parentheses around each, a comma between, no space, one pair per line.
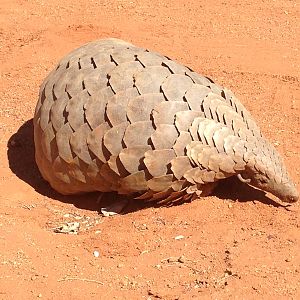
(115,117)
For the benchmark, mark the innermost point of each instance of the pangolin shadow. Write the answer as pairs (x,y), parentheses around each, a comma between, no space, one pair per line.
(22,163)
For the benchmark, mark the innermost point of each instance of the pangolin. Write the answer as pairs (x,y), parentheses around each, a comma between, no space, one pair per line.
(115,117)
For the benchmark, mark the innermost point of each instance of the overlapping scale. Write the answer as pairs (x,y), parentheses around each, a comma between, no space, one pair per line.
(115,117)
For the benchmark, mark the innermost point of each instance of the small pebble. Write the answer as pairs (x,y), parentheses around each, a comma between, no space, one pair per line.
(172,259)
(96,253)
(179,237)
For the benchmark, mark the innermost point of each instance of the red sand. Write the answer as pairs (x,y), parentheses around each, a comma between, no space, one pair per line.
(237,244)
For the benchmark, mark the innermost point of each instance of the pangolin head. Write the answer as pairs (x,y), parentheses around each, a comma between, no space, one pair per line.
(285,190)
(268,172)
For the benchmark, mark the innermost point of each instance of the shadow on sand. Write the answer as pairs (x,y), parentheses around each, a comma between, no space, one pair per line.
(22,163)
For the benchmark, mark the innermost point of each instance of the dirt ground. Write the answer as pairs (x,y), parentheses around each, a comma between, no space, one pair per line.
(237,244)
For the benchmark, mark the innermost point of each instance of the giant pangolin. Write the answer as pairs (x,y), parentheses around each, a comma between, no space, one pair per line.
(115,117)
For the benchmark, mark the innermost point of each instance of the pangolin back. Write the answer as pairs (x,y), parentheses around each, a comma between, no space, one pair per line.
(115,117)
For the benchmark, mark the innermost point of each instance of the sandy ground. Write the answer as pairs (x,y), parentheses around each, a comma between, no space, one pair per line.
(237,244)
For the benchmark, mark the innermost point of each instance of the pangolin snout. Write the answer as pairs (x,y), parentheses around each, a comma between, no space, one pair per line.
(290,194)
(285,191)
